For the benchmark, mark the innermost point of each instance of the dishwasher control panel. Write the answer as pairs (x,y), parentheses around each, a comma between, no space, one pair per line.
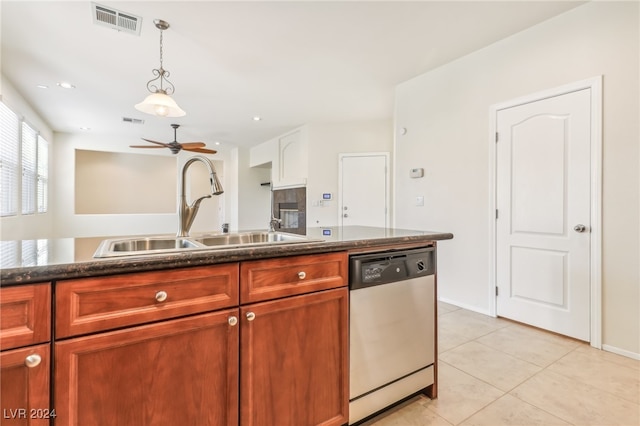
(388,271)
(380,268)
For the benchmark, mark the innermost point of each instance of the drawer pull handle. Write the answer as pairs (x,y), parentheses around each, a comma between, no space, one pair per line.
(161,296)
(232,321)
(251,316)
(302,275)
(32,360)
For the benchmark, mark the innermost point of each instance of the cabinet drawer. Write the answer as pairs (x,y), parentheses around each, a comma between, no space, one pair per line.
(102,303)
(25,315)
(287,276)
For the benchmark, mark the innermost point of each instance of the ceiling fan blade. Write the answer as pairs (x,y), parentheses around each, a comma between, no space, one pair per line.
(146,146)
(193,145)
(159,143)
(202,150)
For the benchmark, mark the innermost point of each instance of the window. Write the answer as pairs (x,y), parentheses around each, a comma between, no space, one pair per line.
(42,191)
(24,166)
(29,157)
(10,126)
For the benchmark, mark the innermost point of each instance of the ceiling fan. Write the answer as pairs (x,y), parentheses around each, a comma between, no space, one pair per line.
(175,147)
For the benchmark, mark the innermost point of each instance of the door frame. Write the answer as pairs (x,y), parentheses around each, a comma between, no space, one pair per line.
(595,246)
(387,182)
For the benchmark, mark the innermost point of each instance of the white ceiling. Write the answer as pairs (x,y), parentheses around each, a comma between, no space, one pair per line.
(289,62)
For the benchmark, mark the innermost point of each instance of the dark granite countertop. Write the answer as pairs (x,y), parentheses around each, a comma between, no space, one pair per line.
(66,258)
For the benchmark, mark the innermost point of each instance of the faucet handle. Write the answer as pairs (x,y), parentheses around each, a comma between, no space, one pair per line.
(273,222)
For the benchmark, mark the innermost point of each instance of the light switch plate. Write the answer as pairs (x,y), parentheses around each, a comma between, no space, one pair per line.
(416,173)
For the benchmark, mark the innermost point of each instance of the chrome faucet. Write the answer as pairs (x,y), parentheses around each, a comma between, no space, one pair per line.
(186,212)
(274,221)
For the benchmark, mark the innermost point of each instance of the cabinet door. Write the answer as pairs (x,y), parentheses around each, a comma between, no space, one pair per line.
(294,361)
(25,315)
(293,161)
(178,372)
(24,386)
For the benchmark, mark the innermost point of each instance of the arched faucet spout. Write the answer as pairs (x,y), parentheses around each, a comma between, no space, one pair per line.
(187,213)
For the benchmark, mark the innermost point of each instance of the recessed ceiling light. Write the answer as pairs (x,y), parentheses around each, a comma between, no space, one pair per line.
(217,143)
(257,118)
(65,85)
(85,128)
(42,86)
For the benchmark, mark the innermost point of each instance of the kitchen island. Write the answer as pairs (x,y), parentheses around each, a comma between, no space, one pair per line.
(245,335)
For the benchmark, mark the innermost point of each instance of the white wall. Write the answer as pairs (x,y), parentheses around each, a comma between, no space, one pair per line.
(446,114)
(254,199)
(69,224)
(326,141)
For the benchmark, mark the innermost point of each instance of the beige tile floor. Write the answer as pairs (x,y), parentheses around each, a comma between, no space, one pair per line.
(497,372)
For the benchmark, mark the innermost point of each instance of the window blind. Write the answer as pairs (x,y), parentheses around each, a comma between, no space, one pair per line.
(29,167)
(9,142)
(43,175)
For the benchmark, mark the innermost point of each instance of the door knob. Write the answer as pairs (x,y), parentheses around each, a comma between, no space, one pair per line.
(345,215)
(579,228)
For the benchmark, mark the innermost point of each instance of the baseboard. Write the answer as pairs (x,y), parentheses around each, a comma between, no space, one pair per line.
(622,352)
(464,306)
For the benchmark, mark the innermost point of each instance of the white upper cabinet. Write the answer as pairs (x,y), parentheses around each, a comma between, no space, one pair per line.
(288,157)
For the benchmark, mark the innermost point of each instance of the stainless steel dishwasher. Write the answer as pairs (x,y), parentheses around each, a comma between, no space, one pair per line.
(392,328)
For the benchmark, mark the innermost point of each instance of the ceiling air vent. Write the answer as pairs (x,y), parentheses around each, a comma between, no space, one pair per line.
(132,120)
(116,19)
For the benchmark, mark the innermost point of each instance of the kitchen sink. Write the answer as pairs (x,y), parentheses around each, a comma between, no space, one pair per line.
(250,238)
(136,246)
(147,244)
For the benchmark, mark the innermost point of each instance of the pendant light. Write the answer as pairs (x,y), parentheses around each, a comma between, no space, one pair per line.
(159,102)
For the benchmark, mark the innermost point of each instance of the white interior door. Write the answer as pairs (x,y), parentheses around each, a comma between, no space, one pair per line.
(543,218)
(363,190)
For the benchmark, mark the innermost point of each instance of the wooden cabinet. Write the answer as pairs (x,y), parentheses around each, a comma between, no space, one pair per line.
(294,350)
(25,314)
(294,361)
(177,372)
(254,343)
(148,350)
(89,305)
(288,276)
(25,325)
(24,386)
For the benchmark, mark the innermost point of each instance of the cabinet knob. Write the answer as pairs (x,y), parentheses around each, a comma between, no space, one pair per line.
(232,320)
(302,275)
(161,296)
(251,316)
(32,360)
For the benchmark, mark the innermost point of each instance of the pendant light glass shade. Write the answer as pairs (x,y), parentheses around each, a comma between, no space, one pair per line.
(160,104)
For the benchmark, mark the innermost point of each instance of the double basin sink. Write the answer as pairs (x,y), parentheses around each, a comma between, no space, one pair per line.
(137,246)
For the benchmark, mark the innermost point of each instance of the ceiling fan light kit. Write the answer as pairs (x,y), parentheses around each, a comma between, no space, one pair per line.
(159,102)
